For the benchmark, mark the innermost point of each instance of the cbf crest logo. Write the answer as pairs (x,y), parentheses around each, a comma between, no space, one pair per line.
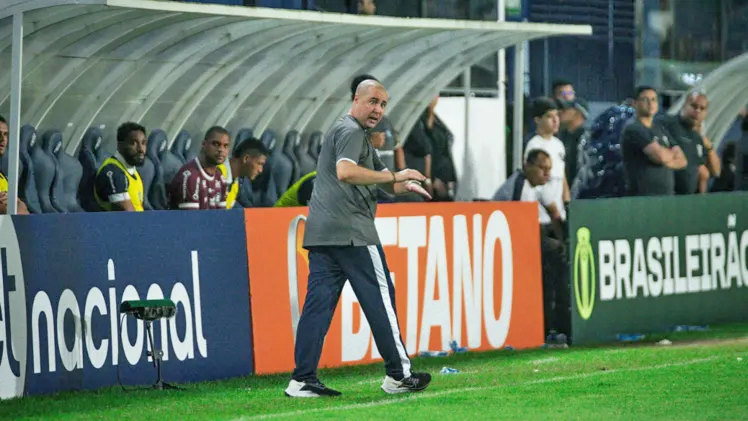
(584,274)
(13,329)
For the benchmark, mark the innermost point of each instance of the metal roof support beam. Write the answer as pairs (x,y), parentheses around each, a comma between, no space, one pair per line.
(469,192)
(14,124)
(519,99)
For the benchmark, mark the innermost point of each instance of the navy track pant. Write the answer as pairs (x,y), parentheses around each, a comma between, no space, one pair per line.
(366,269)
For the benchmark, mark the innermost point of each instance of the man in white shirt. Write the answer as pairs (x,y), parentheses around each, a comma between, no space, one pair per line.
(554,194)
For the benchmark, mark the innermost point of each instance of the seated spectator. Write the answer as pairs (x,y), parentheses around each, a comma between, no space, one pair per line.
(199,184)
(520,186)
(248,162)
(650,156)
(118,186)
(299,193)
(555,193)
(20,206)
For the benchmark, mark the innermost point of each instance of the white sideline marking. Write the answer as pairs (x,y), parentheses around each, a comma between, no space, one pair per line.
(546,360)
(427,395)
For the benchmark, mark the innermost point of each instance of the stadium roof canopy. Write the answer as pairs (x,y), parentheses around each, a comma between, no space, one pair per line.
(727,90)
(176,66)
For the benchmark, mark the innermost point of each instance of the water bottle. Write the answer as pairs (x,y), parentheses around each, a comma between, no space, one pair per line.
(433,354)
(447,370)
(457,349)
(630,337)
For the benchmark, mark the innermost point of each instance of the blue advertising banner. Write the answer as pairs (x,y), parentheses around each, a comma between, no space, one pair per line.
(63,278)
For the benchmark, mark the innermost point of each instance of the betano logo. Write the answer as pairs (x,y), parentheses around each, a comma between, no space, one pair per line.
(454,267)
(179,335)
(13,331)
(295,241)
(584,274)
(474,281)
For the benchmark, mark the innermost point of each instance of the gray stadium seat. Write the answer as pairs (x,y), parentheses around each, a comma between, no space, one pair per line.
(315,144)
(27,184)
(71,177)
(269,139)
(147,173)
(307,164)
(170,163)
(288,150)
(88,157)
(241,136)
(182,145)
(157,192)
(279,167)
(44,176)
(51,144)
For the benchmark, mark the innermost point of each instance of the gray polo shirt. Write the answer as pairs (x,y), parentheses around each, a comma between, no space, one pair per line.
(342,214)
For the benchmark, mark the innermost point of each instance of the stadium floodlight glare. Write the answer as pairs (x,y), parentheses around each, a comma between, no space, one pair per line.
(148,311)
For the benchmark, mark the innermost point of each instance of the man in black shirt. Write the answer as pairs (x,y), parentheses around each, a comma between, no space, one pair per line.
(573,114)
(698,149)
(649,156)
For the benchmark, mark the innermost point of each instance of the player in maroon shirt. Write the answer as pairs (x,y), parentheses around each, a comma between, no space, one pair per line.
(199,184)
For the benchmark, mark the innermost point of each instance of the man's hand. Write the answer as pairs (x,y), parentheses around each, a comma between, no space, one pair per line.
(415,187)
(3,203)
(408,174)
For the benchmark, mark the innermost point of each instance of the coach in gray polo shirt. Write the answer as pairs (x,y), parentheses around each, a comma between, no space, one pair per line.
(343,245)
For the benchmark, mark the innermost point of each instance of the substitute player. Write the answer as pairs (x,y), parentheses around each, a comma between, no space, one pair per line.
(118,186)
(248,161)
(199,184)
(343,244)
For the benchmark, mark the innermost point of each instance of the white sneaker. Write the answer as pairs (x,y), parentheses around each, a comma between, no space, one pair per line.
(415,383)
(309,390)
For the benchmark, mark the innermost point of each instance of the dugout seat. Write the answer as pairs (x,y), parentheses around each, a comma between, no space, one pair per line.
(89,159)
(181,148)
(44,176)
(51,144)
(157,191)
(71,177)
(315,144)
(289,143)
(279,170)
(27,181)
(307,164)
(241,136)
(170,163)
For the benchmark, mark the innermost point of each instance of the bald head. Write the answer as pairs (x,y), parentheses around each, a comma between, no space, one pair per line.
(694,110)
(369,103)
(366,85)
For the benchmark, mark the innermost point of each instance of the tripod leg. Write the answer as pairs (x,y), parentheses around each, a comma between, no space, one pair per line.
(156,354)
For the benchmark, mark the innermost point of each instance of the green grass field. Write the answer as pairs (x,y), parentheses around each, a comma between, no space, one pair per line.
(701,375)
